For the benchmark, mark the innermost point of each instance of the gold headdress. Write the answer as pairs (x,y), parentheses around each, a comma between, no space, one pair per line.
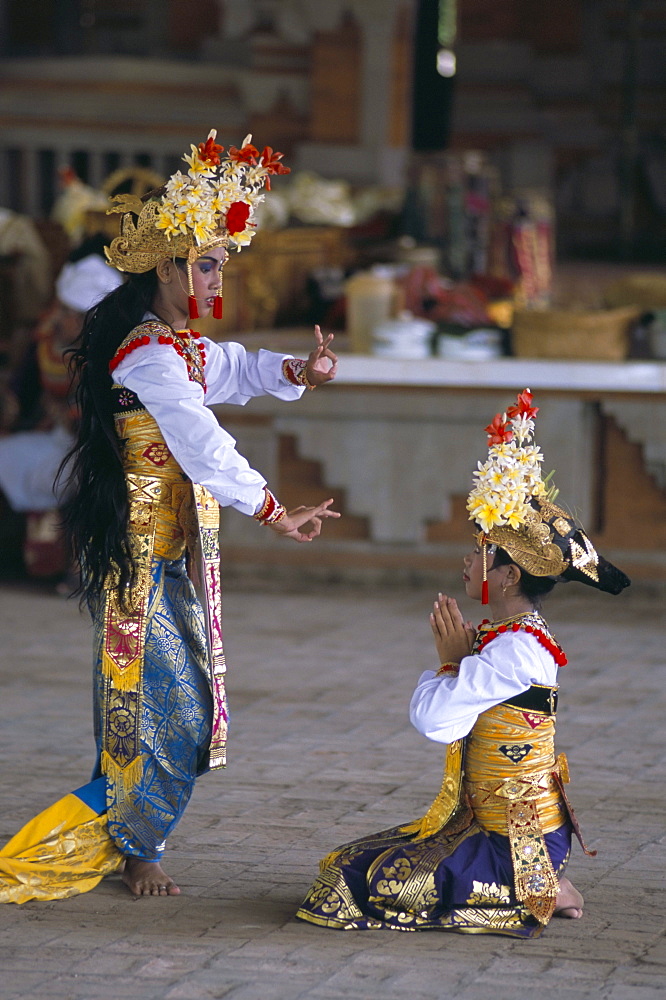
(515,510)
(211,205)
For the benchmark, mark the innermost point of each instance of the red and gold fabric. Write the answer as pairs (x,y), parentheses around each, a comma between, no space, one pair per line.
(168,516)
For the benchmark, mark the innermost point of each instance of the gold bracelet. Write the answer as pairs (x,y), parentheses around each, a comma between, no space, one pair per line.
(271,510)
(450,667)
(295,371)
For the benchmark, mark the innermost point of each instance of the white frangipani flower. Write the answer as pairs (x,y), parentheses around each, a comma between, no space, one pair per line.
(504,484)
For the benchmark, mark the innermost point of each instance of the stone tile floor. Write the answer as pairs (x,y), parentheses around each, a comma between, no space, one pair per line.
(321,751)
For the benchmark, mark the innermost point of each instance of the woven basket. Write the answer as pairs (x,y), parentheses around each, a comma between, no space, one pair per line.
(647,291)
(601,335)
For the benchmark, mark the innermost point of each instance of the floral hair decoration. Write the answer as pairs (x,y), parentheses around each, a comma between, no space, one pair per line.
(212,204)
(513,506)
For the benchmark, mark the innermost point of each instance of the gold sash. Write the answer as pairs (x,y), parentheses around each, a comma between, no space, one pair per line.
(167,515)
(513,784)
(510,778)
(448,798)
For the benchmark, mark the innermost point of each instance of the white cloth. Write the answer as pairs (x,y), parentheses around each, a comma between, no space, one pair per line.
(83,283)
(203,449)
(29,461)
(445,708)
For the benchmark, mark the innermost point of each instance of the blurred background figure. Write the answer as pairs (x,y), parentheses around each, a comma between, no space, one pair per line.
(26,282)
(39,419)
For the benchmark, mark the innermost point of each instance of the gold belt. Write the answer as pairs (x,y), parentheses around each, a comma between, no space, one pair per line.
(527,786)
(536,882)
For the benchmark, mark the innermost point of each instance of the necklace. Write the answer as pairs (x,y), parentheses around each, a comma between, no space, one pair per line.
(193,354)
(508,621)
(182,341)
(530,622)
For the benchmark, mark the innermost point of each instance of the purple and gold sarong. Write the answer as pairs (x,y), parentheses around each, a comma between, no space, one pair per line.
(486,856)
(455,880)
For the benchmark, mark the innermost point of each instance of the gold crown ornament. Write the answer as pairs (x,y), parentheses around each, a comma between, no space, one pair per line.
(513,506)
(211,205)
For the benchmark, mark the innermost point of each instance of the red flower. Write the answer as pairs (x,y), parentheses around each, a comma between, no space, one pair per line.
(237,217)
(246,154)
(270,161)
(523,406)
(498,431)
(209,151)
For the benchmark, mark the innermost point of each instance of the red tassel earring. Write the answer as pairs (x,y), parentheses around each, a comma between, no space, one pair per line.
(217,304)
(484,585)
(193,308)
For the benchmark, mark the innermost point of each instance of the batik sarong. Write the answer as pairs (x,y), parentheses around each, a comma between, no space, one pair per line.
(176,714)
(63,851)
(455,880)
(486,856)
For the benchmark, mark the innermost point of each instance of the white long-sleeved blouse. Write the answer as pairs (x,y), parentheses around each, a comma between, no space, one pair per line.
(445,708)
(204,450)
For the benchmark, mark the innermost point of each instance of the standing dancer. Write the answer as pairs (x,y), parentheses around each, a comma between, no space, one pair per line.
(489,854)
(151,469)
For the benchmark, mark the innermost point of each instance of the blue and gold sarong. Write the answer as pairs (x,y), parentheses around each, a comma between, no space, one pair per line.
(160,708)
(63,851)
(176,714)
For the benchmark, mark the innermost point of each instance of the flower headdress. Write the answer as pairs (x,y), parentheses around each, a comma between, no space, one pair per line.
(514,508)
(211,205)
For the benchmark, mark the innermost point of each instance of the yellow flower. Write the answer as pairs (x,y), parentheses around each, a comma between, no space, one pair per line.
(167,223)
(243,239)
(201,232)
(531,455)
(513,513)
(496,478)
(487,512)
(505,451)
(197,165)
(176,183)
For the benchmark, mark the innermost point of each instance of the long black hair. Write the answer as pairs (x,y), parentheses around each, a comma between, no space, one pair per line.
(534,588)
(95,511)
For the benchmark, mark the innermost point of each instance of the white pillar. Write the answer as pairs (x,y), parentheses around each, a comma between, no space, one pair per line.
(376,85)
(378,21)
(31,182)
(95,168)
(62,158)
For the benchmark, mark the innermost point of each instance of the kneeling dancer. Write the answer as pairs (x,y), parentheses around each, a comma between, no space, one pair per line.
(489,855)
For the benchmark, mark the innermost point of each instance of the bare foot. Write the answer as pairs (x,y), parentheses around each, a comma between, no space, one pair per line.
(569,902)
(146,878)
